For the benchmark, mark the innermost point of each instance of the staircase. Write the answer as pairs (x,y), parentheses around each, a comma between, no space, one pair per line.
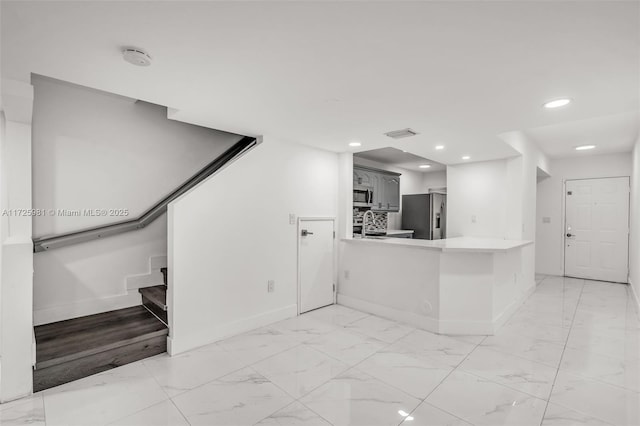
(76,348)
(155,299)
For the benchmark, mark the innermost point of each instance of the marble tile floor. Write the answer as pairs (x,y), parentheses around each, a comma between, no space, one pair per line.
(569,356)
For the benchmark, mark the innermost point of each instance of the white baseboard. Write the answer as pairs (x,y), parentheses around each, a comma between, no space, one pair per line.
(424,323)
(435,325)
(135,282)
(179,344)
(461,328)
(85,307)
(151,278)
(419,321)
(157,262)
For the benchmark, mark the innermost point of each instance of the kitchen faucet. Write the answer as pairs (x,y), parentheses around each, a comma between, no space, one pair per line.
(364,222)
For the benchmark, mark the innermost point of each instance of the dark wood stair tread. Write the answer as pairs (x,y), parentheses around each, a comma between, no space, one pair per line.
(156,294)
(64,341)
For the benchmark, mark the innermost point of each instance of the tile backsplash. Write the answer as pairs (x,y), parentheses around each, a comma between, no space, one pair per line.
(379,223)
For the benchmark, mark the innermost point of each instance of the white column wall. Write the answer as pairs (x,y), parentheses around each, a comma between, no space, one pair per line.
(345,194)
(634,238)
(16,255)
(498,199)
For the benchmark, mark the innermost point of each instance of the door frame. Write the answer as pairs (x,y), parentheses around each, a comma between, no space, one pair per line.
(564,221)
(334,273)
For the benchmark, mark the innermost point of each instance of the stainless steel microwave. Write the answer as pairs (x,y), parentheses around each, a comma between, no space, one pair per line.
(362,196)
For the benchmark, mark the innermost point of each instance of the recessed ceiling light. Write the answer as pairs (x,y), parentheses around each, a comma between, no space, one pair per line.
(557,103)
(584,147)
(424,166)
(466,157)
(439,147)
(355,144)
(404,151)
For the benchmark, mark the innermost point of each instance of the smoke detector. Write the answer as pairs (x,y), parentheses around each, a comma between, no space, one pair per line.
(404,133)
(136,56)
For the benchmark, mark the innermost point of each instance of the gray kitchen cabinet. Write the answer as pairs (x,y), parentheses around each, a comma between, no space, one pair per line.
(378,198)
(362,177)
(386,187)
(391,192)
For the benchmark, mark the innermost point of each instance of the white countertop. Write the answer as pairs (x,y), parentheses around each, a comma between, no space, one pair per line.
(460,244)
(399,231)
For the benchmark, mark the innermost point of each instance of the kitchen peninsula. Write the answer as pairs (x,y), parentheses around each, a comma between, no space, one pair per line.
(466,286)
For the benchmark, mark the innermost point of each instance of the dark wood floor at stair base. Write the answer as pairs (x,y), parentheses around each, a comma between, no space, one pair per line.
(65,340)
(60,374)
(69,350)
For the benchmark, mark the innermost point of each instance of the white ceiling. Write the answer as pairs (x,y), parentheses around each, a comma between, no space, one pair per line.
(610,134)
(397,158)
(327,73)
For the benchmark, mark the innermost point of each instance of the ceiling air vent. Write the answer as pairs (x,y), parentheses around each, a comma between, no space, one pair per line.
(404,133)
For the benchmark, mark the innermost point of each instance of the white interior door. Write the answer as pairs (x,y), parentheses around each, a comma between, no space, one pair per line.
(316,263)
(597,229)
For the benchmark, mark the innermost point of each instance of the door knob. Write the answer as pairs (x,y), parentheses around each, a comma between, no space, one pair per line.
(304,233)
(569,235)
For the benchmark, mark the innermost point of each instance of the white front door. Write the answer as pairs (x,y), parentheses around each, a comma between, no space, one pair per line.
(316,263)
(597,229)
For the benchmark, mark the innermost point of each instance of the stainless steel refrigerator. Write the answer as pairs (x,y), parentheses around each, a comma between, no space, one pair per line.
(426,215)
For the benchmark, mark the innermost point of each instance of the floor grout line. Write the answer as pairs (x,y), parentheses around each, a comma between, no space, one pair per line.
(553,385)
(296,338)
(424,400)
(170,398)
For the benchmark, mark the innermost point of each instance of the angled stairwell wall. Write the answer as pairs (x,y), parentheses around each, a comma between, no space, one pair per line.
(231,234)
(94,150)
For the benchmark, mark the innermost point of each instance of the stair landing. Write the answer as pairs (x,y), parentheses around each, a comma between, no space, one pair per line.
(72,349)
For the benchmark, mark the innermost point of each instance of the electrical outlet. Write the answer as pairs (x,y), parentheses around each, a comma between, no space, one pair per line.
(346,275)
(271,286)
(292,219)
(473,218)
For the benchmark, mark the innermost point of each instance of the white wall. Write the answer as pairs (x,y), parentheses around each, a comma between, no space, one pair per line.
(634,254)
(500,196)
(410,183)
(16,249)
(345,195)
(231,234)
(550,201)
(414,272)
(477,191)
(94,150)
(522,172)
(434,180)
